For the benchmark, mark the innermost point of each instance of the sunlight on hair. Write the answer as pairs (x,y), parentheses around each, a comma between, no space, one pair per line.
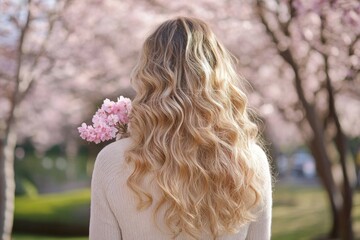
(191,129)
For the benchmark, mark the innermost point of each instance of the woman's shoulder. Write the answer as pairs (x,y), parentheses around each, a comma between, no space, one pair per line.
(110,159)
(260,157)
(113,150)
(261,163)
(263,170)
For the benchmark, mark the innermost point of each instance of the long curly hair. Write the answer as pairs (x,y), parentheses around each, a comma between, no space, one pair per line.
(192,130)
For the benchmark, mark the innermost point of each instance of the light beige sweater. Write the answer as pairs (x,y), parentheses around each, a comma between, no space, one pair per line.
(113,204)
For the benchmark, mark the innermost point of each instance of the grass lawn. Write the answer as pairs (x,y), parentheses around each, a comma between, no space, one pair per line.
(298,213)
(60,207)
(302,213)
(65,214)
(28,237)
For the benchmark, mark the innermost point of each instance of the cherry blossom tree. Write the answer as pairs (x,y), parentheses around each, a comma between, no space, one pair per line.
(14,90)
(49,78)
(318,41)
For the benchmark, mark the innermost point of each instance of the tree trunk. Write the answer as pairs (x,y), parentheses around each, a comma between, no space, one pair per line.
(329,185)
(340,196)
(8,143)
(7,183)
(340,141)
(347,191)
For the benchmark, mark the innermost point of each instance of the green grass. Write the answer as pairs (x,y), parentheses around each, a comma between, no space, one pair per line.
(62,208)
(27,237)
(303,213)
(298,213)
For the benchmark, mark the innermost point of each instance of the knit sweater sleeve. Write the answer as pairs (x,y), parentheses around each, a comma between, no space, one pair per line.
(261,228)
(103,224)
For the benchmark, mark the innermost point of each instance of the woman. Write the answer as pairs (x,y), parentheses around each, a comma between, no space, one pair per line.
(191,168)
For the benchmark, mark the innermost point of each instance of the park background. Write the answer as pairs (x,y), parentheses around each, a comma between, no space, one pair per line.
(60,58)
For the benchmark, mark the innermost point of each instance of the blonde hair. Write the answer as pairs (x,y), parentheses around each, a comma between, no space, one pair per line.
(192,130)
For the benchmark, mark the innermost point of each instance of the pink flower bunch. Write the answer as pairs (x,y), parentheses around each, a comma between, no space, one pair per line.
(110,121)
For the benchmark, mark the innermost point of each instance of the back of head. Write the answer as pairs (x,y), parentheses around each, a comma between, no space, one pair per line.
(191,127)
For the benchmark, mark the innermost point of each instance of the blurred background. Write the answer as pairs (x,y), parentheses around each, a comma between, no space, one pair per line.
(60,58)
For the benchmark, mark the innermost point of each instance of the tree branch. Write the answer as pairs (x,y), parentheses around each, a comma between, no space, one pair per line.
(316,142)
(14,97)
(340,138)
(26,83)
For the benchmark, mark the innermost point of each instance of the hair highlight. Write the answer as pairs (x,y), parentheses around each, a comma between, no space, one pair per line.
(192,130)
